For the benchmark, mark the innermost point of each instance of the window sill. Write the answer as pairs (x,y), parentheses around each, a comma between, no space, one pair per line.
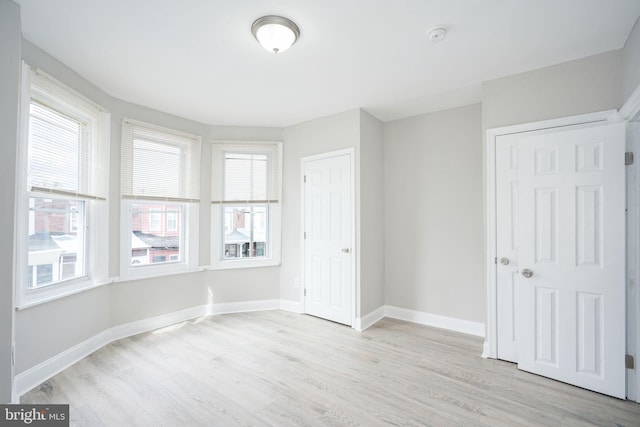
(240,264)
(50,293)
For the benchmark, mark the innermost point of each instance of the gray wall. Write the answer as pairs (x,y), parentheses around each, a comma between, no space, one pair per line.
(631,62)
(10,33)
(576,87)
(47,329)
(313,137)
(434,214)
(372,244)
(352,129)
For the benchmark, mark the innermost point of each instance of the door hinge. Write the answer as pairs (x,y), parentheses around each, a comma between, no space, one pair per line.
(305,235)
(305,292)
(305,178)
(628,158)
(629,362)
(495,260)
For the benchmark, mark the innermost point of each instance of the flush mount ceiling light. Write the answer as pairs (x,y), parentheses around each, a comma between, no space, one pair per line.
(437,34)
(275,33)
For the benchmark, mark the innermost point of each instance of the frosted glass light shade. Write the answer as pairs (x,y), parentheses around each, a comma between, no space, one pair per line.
(275,33)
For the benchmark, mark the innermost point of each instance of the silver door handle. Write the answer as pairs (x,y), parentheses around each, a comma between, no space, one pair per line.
(504,261)
(346,250)
(527,273)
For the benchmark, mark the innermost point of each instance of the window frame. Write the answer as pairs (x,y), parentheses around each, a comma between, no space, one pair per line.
(44,89)
(274,210)
(189,219)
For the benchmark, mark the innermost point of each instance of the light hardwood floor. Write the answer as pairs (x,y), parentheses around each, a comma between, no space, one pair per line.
(274,368)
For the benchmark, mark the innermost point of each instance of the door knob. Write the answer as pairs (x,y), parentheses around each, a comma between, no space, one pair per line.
(346,250)
(527,273)
(504,261)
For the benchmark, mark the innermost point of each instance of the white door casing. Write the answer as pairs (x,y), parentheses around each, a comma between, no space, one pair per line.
(572,238)
(328,238)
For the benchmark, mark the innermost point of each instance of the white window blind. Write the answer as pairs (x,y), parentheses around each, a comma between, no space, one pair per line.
(67,151)
(159,163)
(246,173)
(245,177)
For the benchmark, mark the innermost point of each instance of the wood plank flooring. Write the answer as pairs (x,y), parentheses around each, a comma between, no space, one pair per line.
(274,368)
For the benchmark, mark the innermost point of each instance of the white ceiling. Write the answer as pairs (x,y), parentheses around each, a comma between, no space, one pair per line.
(198,59)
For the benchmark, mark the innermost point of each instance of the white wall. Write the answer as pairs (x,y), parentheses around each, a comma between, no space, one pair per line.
(313,137)
(631,62)
(10,33)
(434,214)
(576,87)
(372,244)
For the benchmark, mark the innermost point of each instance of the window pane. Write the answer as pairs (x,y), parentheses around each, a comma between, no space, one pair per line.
(56,241)
(245,231)
(155,233)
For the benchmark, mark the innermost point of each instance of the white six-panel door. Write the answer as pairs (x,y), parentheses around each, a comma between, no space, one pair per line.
(572,241)
(328,252)
(507,238)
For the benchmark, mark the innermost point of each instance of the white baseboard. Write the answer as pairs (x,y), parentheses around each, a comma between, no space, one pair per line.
(245,306)
(429,319)
(486,352)
(370,318)
(27,380)
(149,324)
(292,306)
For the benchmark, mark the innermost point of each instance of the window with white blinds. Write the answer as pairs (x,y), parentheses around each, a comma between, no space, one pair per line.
(67,149)
(247,173)
(159,163)
(61,209)
(245,190)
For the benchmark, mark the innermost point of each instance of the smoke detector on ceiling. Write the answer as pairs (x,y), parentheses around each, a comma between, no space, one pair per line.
(437,34)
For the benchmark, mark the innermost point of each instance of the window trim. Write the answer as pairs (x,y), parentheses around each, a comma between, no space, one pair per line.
(96,208)
(219,148)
